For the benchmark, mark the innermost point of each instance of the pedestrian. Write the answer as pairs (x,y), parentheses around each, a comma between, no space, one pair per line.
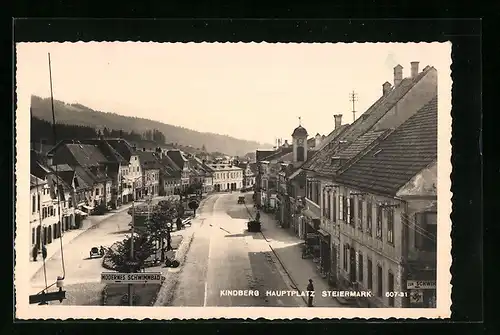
(179,223)
(257,216)
(34,252)
(310,293)
(44,251)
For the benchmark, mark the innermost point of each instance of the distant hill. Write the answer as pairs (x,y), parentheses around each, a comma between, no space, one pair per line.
(77,114)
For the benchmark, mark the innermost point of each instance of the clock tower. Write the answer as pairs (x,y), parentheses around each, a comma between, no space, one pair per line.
(299,138)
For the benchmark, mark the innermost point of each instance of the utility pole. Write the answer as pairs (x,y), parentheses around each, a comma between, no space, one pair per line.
(130,287)
(353,97)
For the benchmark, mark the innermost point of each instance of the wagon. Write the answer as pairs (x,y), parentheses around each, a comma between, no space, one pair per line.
(241,200)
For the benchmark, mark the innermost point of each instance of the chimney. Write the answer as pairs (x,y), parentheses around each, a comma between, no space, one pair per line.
(386,88)
(317,140)
(414,69)
(338,120)
(398,75)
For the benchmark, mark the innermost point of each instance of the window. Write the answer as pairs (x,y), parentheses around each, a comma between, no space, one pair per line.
(334,207)
(329,205)
(33,236)
(38,196)
(341,208)
(379,223)
(369,212)
(426,231)
(33,206)
(379,281)
(369,272)
(96,191)
(345,258)
(360,267)
(390,226)
(300,154)
(324,205)
(360,214)
(390,288)
(348,211)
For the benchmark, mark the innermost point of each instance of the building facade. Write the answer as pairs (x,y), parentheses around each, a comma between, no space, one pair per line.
(226,177)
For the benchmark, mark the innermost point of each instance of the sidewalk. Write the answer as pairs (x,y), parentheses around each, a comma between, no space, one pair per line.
(288,250)
(69,235)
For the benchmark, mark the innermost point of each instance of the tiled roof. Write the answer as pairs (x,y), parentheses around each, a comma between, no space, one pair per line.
(263,154)
(282,151)
(322,162)
(177,157)
(361,143)
(35,181)
(169,168)
(148,160)
(403,154)
(62,167)
(331,137)
(83,179)
(111,154)
(123,147)
(253,167)
(86,154)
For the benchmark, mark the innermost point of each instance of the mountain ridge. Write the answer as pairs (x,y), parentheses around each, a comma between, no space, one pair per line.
(78,114)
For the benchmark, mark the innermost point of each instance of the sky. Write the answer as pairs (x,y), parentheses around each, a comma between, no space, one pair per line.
(253,91)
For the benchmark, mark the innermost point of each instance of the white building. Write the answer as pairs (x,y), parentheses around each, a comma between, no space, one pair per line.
(227,177)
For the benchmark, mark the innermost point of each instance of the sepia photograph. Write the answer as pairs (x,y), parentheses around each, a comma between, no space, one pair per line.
(223,180)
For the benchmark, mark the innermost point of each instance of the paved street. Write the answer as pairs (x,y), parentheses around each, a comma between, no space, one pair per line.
(224,256)
(83,273)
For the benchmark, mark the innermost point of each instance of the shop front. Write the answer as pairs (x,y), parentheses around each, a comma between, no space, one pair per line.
(421,286)
(325,255)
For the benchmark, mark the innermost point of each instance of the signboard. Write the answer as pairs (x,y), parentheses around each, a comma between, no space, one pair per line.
(420,284)
(416,297)
(131,278)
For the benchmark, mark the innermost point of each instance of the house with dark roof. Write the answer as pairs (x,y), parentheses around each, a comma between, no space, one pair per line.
(90,161)
(170,175)
(201,175)
(150,167)
(180,159)
(384,204)
(116,166)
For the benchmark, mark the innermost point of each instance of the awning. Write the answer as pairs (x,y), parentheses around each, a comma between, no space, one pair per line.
(79,212)
(88,207)
(310,214)
(324,233)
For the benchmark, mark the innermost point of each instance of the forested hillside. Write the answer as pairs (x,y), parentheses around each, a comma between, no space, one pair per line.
(76,114)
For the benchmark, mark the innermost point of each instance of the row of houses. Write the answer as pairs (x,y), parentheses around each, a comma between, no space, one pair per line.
(75,179)
(364,197)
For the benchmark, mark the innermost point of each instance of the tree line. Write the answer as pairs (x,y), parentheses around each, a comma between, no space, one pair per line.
(43,132)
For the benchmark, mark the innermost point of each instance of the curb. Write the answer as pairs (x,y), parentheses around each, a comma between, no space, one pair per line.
(167,288)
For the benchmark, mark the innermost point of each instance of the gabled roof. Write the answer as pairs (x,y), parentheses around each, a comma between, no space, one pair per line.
(403,154)
(322,161)
(282,151)
(111,154)
(35,181)
(148,160)
(83,179)
(123,147)
(177,157)
(83,154)
(169,168)
(263,154)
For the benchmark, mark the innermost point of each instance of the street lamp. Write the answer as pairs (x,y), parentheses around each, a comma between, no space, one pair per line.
(169,238)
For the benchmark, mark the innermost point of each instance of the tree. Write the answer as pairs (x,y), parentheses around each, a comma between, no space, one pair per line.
(120,256)
(156,227)
(193,204)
